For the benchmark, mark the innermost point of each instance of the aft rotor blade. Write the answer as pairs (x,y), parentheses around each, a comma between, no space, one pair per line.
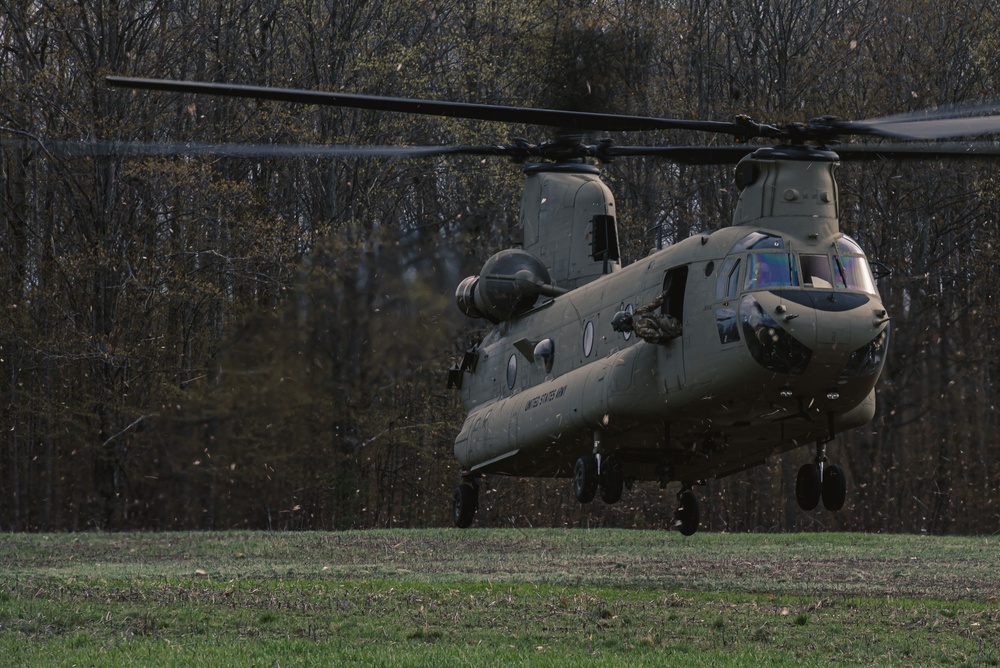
(576,120)
(124,148)
(684,155)
(730,155)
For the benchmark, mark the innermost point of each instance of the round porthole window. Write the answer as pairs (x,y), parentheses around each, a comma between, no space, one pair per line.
(588,338)
(511,371)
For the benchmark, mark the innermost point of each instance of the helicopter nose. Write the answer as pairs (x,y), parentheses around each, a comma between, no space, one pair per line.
(846,322)
(834,334)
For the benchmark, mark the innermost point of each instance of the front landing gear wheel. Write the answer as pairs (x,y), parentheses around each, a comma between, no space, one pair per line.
(834,487)
(585,478)
(687,516)
(808,487)
(464,504)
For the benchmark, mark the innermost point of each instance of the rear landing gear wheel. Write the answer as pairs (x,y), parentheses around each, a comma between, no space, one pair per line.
(834,487)
(808,487)
(464,503)
(585,478)
(687,516)
(612,478)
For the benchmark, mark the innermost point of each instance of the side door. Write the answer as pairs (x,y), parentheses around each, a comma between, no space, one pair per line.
(672,353)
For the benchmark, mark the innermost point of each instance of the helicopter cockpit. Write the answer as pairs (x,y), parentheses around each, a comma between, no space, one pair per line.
(770,265)
(763,263)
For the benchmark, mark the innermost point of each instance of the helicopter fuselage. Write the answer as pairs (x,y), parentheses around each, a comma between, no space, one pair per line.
(783,339)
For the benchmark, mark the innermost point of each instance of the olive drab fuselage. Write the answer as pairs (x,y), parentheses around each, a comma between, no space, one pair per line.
(783,333)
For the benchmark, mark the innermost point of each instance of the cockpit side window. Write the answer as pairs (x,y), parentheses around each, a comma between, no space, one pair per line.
(770,270)
(727,283)
(853,273)
(851,268)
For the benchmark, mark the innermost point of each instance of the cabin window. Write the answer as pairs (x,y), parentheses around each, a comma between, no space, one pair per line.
(770,270)
(588,338)
(511,372)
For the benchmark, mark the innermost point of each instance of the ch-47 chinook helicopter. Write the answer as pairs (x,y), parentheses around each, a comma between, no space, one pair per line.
(699,361)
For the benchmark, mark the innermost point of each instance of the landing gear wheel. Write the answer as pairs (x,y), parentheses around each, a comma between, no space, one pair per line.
(585,478)
(612,478)
(834,487)
(808,487)
(686,517)
(464,504)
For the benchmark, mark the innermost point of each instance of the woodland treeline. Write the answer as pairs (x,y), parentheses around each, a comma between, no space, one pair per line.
(207,342)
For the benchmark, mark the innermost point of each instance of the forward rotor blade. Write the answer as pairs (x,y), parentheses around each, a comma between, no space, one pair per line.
(575,120)
(954,121)
(924,151)
(935,129)
(958,120)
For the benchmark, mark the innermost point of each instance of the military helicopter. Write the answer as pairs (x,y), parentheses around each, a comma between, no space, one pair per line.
(698,361)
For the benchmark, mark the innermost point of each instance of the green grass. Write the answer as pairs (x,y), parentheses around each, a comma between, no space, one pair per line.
(498,597)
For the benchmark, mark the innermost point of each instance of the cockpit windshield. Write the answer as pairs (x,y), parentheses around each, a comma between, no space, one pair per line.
(770,270)
(844,268)
(817,271)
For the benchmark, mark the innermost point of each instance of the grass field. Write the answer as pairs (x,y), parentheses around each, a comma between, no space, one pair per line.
(498,597)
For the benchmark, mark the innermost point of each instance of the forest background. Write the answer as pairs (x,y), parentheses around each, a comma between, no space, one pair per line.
(207,342)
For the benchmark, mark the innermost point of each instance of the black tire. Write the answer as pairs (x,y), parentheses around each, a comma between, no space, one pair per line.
(585,478)
(464,504)
(688,512)
(808,487)
(612,480)
(834,488)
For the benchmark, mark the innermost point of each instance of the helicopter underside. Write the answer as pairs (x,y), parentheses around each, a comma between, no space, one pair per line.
(684,450)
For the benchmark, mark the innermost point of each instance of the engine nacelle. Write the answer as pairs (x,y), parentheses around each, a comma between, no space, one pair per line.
(509,284)
(465,297)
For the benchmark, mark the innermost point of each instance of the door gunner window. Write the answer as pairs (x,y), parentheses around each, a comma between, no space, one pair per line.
(770,270)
